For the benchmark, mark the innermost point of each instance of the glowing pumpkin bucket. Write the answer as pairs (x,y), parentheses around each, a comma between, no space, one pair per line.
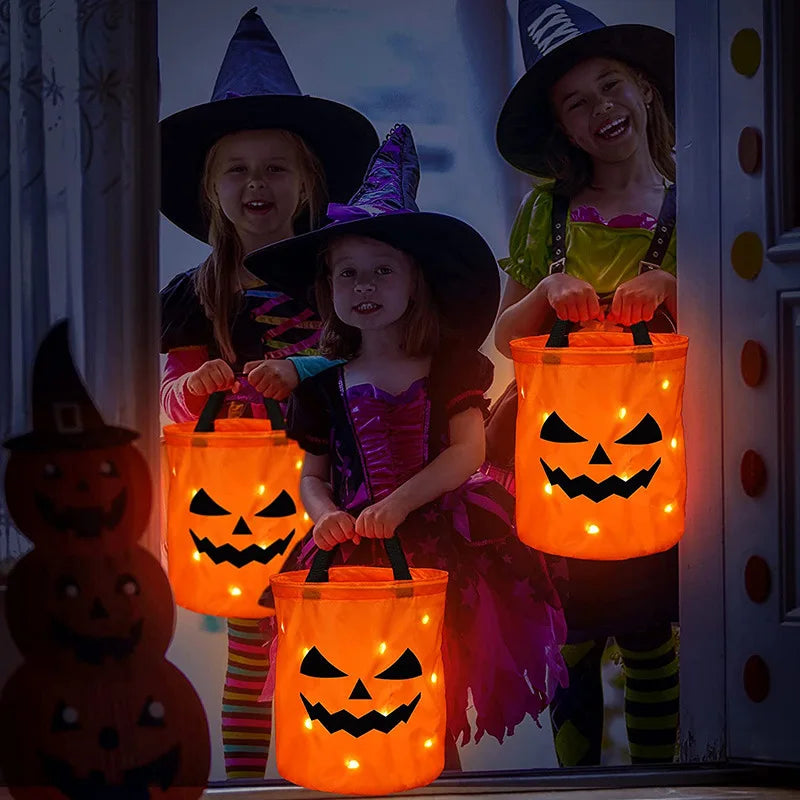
(600,460)
(233,512)
(359,696)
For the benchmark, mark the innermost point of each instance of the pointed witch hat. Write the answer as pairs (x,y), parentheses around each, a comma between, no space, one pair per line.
(458,264)
(64,416)
(255,90)
(555,37)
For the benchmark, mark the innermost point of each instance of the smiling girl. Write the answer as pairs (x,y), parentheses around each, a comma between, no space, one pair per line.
(394,437)
(253,166)
(592,120)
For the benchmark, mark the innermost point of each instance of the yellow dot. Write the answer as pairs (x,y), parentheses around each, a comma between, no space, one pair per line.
(235,591)
(263,546)
(307,723)
(622,413)
(382,648)
(305,652)
(429,743)
(665,384)
(283,628)
(192,493)
(262,489)
(426,619)
(306,518)
(624,476)
(433,677)
(385,712)
(673,444)
(668,508)
(593,530)
(353,764)
(196,555)
(548,489)
(299,465)
(174,472)
(545,415)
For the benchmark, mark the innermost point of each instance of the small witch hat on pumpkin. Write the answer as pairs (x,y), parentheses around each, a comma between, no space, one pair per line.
(555,37)
(64,416)
(256,90)
(458,264)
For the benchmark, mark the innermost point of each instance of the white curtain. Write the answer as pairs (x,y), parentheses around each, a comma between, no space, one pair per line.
(79,209)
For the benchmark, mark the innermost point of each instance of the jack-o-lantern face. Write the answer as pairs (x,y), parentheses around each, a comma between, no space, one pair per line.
(233,514)
(137,733)
(90,610)
(79,500)
(248,552)
(600,468)
(359,699)
(646,431)
(315,665)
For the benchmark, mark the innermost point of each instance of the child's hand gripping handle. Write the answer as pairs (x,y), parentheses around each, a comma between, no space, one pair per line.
(324,558)
(559,334)
(205,423)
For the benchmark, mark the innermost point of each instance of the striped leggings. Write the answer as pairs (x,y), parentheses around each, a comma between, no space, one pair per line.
(246,721)
(651,700)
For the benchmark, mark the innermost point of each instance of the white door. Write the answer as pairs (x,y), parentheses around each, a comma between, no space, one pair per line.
(759,223)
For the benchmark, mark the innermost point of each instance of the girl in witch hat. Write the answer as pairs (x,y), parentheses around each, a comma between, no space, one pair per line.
(254,165)
(592,119)
(394,437)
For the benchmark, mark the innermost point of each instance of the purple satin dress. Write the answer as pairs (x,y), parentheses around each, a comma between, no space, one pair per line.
(503,621)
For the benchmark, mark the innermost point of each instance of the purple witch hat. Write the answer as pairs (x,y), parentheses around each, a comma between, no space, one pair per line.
(555,37)
(64,416)
(255,89)
(458,264)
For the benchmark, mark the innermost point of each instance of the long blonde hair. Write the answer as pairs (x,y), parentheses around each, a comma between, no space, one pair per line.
(213,281)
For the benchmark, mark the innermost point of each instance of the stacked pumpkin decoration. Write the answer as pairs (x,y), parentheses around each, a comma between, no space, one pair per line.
(95,710)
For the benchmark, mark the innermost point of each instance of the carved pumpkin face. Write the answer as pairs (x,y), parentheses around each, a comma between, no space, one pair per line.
(75,500)
(360,693)
(234,514)
(90,610)
(134,731)
(600,454)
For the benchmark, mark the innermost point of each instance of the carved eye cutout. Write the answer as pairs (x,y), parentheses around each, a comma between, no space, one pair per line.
(407,666)
(281,506)
(68,587)
(203,504)
(315,665)
(65,718)
(108,469)
(555,429)
(152,715)
(51,471)
(646,432)
(128,585)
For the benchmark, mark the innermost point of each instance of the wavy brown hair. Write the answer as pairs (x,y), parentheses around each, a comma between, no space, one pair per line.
(420,322)
(214,281)
(572,167)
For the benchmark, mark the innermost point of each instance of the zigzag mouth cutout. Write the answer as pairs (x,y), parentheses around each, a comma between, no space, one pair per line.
(584,486)
(252,554)
(136,782)
(358,726)
(95,649)
(87,522)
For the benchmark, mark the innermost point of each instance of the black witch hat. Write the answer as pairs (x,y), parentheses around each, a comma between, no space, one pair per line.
(255,89)
(64,416)
(458,263)
(556,35)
